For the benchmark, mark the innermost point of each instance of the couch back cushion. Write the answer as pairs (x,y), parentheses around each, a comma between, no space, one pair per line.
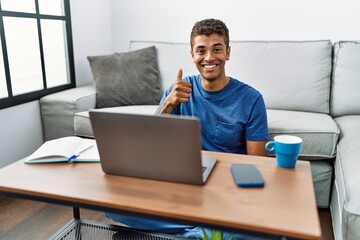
(171,57)
(345,95)
(290,75)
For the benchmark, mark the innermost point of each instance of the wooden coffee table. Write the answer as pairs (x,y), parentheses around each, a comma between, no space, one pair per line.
(286,206)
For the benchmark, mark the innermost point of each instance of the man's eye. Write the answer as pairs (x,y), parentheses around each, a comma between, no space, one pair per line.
(217,50)
(200,51)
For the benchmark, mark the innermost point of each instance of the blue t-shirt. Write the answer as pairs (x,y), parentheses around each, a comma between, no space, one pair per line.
(228,117)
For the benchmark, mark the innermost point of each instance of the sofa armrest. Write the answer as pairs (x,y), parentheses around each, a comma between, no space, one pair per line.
(58,110)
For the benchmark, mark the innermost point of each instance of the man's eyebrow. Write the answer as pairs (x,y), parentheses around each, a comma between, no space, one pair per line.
(215,45)
(218,44)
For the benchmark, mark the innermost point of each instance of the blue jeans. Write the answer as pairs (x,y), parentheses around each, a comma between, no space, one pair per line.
(185,231)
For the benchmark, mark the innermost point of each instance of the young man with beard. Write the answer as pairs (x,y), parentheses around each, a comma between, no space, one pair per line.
(232,114)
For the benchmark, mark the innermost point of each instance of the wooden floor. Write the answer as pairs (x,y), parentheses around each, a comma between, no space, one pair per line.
(25,219)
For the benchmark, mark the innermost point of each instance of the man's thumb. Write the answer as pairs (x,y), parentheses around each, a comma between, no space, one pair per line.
(179,75)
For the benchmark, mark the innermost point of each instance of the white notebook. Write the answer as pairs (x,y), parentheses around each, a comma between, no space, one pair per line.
(66,149)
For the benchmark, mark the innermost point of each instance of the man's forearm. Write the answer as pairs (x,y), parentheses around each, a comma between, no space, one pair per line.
(256,148)
(164,108)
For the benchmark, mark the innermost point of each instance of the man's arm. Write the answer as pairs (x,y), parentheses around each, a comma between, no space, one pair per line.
(256,148)
(180,93)
(164,108)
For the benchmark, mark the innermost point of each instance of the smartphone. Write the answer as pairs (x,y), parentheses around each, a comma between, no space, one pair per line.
(247,175)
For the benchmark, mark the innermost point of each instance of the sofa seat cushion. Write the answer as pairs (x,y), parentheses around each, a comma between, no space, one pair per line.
(348,156)
(345,203)
(82,124)
(318,131)
(322,173)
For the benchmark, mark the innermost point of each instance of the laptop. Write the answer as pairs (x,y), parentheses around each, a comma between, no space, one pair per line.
(160,147)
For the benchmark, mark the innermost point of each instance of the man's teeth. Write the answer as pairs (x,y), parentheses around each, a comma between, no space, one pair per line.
(209,66)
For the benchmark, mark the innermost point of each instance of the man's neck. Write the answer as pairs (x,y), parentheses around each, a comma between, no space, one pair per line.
(214,85)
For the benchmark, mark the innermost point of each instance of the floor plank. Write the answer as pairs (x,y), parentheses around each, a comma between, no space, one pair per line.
(326,224)
(25,219)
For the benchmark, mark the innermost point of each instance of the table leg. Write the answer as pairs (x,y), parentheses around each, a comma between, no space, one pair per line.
(76,212)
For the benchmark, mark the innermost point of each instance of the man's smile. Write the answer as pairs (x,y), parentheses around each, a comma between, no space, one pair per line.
(209,67)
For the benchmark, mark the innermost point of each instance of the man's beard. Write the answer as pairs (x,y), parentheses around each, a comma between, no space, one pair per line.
(211,78)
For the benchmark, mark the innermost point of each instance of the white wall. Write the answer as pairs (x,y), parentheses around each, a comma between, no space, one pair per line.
(172,20)
(91,27)
(20,126)
(20,132)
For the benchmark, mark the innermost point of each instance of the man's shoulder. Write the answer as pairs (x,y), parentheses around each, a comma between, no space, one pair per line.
(245,87)
(192,78)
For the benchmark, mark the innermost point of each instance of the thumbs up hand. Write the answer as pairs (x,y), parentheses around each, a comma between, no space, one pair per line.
(180,92)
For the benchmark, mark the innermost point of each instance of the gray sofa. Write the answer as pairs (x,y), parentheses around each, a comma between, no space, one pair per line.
(311,90)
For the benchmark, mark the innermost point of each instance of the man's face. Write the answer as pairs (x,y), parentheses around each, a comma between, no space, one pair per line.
(209,53)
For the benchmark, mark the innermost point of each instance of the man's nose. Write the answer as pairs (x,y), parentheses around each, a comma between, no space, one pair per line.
(209,56)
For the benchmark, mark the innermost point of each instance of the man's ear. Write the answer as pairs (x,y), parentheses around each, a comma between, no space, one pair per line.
(192,55)
(228,53)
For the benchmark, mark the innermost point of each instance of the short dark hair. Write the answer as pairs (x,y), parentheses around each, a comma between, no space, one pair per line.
(208,27)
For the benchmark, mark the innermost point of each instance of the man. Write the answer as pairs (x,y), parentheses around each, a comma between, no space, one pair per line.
(232,114)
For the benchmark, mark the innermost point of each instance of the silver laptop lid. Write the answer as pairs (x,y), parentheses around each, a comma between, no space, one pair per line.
(161,147)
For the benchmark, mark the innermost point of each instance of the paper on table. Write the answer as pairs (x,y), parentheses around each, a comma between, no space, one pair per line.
(87,150)
(64,149)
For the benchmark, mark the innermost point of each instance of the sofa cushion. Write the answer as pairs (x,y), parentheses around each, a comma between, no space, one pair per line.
(291,75)
(322,173)
(345,93)
(82,124)
(345,201)
(130,78)
(171,57)
(318,131)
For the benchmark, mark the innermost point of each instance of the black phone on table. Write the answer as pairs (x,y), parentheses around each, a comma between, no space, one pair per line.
(247,175)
